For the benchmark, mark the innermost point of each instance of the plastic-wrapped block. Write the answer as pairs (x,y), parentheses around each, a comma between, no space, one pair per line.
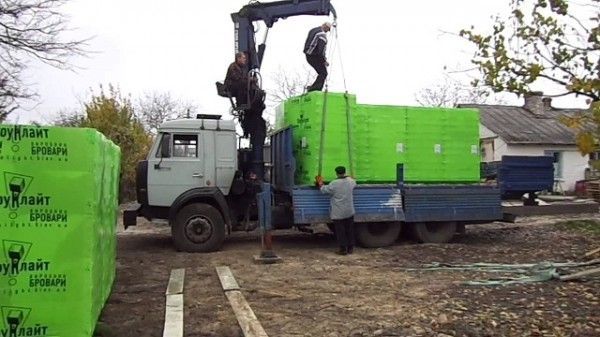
(58,213)
(378,142)
(461,140)
(320,123)
(434,144)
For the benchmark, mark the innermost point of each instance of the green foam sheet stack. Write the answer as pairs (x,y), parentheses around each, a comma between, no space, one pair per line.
(378,140)
(435,145)
(58,213)
(312,131)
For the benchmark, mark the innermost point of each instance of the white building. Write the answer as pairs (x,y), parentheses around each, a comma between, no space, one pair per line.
(534,129)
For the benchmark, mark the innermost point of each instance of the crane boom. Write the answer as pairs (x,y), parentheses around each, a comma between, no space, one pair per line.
(270,13)
(250,116)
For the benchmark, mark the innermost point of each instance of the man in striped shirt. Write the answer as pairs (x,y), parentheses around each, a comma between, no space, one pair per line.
(315,49)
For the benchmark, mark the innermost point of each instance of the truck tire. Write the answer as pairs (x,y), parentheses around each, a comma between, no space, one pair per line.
(375,235)
(198,228)
(433,232)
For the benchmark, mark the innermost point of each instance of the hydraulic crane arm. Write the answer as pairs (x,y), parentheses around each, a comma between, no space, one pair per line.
(270,13)
(250,113)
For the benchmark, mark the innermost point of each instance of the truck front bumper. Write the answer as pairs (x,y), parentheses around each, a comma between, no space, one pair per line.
(130,215)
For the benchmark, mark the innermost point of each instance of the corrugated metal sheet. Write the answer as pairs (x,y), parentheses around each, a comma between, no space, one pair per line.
(372,204)
(451,203)
(517,125)
(522,174)
(284,163)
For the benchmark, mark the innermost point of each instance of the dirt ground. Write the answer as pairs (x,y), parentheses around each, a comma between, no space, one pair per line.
(317,293)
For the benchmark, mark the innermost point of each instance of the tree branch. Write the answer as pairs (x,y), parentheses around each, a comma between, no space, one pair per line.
(31,30)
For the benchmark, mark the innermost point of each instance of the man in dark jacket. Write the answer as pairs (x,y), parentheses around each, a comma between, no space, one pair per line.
(236,80)
(315,49)
(249,98)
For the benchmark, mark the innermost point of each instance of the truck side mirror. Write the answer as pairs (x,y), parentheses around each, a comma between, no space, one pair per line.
(165,146)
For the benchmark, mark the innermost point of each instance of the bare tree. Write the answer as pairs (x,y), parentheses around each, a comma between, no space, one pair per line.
(155,107)
(288,84)
(450,93)
(30,30)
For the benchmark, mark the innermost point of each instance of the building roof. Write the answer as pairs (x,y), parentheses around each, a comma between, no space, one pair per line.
(517,125)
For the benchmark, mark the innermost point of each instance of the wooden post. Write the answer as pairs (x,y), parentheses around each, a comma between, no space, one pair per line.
(248,322)
(592,253)
(580,275)
(174,305)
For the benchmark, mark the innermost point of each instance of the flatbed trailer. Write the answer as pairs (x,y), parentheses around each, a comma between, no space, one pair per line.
(433,212)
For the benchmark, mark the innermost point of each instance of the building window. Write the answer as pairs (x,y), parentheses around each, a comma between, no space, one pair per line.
(185,146)
(558,162)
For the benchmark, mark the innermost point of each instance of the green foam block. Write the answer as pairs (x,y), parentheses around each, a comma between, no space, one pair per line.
(58,213)
(434,144)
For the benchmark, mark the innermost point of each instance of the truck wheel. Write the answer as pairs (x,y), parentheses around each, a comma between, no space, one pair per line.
(198,228)
(374,235)
(434,232)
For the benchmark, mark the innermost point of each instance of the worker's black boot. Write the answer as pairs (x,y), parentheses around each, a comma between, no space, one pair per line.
(342,251)
(350,249)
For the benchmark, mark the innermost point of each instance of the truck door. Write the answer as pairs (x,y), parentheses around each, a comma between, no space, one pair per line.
(174,167)
(226,160)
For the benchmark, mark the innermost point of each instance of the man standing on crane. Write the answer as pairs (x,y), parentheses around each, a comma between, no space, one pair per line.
(315,49)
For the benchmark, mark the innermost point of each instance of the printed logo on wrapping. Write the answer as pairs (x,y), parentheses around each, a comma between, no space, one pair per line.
(27,274)
(16,323)
(303,122)
(12,137)
(17,198)
(15,188)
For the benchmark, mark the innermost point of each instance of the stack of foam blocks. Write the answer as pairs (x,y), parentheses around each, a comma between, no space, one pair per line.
(58,217)
(434,145)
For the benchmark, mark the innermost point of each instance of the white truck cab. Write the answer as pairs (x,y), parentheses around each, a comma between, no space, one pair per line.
(191,178)
(191,153)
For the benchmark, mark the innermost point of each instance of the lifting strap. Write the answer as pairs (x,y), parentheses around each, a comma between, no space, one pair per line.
(349,134)
(348,112)
(346,98)
(322,138)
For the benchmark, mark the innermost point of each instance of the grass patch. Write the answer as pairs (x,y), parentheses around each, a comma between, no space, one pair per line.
(581,226)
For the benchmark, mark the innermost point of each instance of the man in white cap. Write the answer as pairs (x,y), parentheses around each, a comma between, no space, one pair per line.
(315,49)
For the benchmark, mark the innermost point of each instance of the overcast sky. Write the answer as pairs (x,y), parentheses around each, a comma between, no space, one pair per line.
(390,50)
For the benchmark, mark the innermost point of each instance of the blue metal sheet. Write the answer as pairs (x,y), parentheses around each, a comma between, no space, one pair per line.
(372,204)
(284,163)
(451,203)
(523,174)
(489,170)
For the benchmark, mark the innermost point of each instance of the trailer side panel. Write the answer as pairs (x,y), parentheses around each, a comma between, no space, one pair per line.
(372,204)
(424,203)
